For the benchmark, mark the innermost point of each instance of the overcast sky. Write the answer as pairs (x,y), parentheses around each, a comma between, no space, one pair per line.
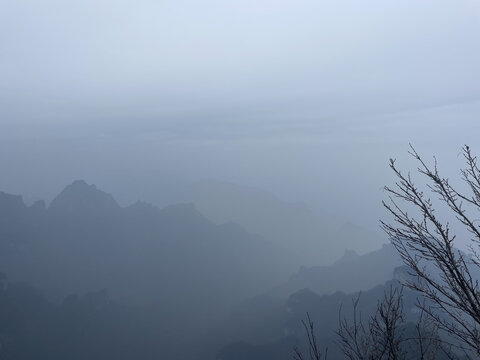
(304,98)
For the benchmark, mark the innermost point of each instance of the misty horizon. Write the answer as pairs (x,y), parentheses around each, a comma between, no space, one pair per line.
(186,180)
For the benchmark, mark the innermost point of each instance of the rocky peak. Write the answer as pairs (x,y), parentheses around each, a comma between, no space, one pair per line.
(80,198)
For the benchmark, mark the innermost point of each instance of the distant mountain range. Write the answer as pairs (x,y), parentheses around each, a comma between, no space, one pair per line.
(274,318)
(273,329)
(311,238)
(175,266)
(163,258)
(350,273)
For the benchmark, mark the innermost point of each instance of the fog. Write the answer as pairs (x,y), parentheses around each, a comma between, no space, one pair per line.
(306,99)
(278,117)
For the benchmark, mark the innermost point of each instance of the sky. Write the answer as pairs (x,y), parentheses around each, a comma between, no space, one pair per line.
(307,99)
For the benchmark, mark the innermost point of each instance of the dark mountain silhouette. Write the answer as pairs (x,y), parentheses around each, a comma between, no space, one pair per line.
(266,318)
(90,326)
(11,205)
(81,200)
(254,341)
(159,258)
(186,280)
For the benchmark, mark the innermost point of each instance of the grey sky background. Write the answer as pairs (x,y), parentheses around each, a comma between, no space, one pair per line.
(305,98)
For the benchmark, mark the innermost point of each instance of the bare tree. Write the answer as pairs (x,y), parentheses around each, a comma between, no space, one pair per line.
(445,278)
(313,349)
(443,275)
(426,339)
(385,326)
(381,337)
(385,335)
(354,337)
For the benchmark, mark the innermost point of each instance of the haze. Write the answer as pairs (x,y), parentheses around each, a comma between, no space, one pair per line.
(189,178)
(307,99)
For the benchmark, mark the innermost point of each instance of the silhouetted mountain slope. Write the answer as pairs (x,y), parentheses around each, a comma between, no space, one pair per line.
(11,205)
(277,314)
(182,273)
(93,326)
(310,238)
(82,327)
(80,200)
(352,272)
(253,340)
(84,241)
